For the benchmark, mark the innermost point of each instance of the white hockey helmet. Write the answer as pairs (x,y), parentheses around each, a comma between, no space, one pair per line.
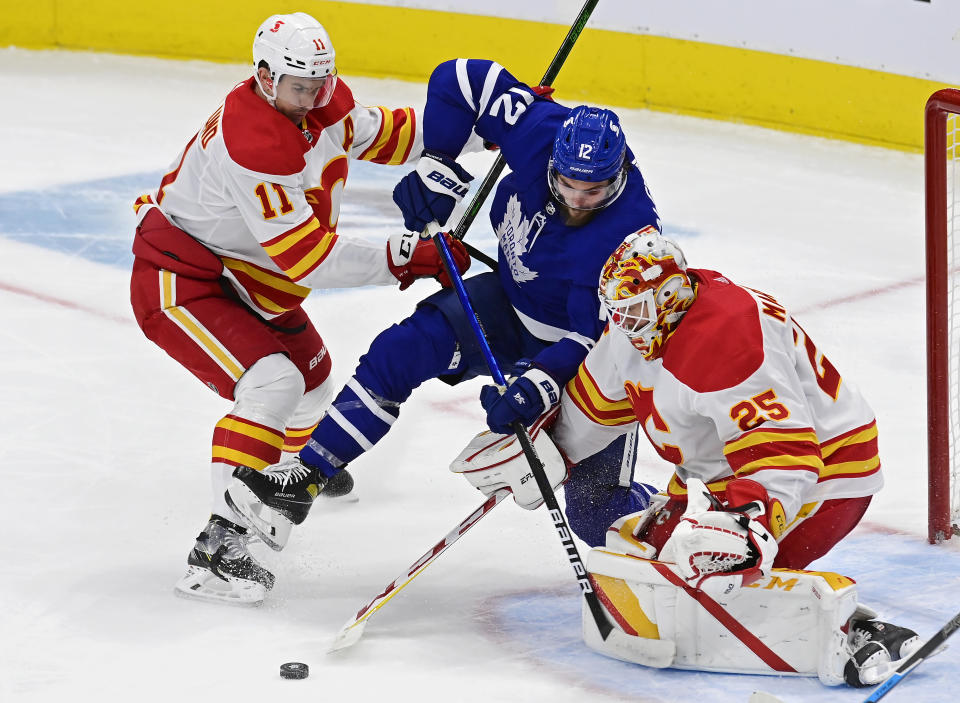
(295,45)
(645,289)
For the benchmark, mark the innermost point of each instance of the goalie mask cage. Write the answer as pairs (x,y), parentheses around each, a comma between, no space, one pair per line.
(942,165)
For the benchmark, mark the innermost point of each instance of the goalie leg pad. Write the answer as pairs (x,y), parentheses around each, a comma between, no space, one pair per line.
(622,534)
(787,623)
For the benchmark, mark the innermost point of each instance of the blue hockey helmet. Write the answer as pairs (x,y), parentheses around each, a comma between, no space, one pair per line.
(589,147)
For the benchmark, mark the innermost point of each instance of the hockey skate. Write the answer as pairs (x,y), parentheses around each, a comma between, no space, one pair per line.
(877,650)
(271,502)
(220,568)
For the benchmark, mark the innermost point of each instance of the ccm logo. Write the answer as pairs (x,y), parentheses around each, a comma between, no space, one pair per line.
(406,245)
(318,358)
(448,183)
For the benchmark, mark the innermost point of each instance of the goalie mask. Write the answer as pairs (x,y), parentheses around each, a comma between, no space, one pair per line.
(589,147)
(645,289)
(295,45)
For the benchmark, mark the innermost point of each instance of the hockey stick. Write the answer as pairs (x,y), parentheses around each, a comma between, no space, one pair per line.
(604,627)
(352,631)
(490,180)
(918,657)
(480,256)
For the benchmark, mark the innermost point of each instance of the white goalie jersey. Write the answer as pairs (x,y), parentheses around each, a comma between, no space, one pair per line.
(264,194)
(740,391)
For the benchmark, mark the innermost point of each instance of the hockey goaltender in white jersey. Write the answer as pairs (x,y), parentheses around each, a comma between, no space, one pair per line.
(776,461)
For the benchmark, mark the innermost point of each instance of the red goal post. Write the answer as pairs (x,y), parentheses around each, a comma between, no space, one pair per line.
(942,168)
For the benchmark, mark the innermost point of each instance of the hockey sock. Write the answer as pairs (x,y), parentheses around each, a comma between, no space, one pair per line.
(355,421)
(400,358)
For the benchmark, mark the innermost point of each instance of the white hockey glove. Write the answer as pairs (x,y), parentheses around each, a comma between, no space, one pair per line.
(718,551)
(493,461)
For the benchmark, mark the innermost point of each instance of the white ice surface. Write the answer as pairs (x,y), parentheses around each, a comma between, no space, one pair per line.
(105,440)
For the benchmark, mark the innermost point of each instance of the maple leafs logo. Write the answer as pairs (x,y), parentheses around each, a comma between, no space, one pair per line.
(513,234)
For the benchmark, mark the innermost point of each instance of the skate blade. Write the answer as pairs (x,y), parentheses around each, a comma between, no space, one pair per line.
(272,528)
(200,584)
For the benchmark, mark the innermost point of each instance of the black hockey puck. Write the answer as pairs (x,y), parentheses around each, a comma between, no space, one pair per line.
(294,670)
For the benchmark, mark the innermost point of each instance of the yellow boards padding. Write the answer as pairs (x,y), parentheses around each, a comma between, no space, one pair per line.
(614,68)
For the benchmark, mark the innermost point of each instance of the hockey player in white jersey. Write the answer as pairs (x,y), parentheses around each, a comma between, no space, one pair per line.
(240,230)
(777,451)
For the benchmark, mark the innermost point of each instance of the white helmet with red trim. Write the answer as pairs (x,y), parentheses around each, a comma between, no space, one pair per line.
(295,45)
(645,289)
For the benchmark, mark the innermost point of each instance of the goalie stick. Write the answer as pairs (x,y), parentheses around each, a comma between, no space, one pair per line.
(490,180)
(604,627)
(352,631)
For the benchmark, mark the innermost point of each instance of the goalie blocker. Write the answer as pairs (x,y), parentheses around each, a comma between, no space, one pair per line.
(493,461)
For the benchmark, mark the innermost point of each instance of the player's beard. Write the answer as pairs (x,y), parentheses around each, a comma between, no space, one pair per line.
(576,218)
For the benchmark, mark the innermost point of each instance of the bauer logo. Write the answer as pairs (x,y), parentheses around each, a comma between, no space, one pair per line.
(448,183)
(318,358)
(551,391)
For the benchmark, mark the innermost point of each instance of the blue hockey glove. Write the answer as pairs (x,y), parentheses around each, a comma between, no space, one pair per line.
(525,399)
(431,191)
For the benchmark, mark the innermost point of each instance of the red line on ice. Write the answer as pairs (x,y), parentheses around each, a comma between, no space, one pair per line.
(63,303)
(863,295)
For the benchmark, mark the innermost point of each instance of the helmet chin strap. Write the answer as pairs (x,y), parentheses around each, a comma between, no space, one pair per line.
(271,99)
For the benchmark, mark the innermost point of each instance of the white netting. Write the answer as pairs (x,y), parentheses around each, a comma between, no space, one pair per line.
(953,311)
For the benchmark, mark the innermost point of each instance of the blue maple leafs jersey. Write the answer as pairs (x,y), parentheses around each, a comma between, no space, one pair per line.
(548,269)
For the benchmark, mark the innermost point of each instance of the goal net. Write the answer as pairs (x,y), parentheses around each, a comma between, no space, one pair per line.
(942,164)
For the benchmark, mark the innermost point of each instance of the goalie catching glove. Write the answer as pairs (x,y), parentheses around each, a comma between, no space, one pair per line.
(409,257)
(719,549)
(493,461)
(431,191)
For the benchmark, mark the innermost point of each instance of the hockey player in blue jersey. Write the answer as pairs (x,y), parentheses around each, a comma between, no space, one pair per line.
(573,193)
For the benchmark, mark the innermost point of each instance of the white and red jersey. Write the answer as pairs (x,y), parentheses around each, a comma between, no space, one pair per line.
(740,391)
(264,194)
